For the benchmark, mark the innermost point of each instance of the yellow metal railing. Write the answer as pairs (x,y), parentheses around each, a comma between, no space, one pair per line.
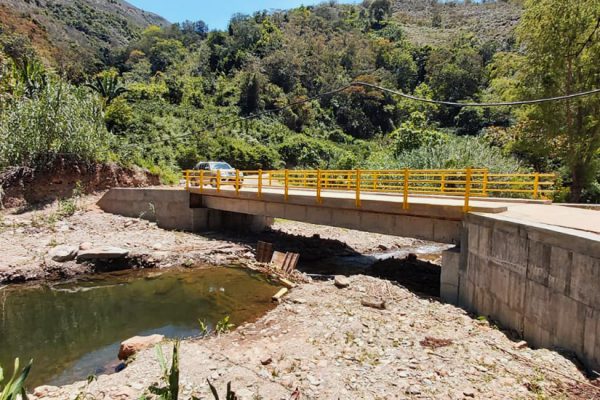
(464,183)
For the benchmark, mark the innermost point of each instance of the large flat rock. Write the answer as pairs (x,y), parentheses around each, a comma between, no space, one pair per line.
(63,253)
(102,253)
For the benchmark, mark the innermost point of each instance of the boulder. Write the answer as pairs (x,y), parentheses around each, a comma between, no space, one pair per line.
(102,253)
(85,246)
(43,391)
(132,345)
(63,253)
(341,281)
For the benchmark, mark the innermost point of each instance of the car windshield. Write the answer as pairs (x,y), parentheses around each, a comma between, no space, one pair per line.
(221,165)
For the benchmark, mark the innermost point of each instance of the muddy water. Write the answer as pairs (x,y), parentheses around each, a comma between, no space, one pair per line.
(72,330)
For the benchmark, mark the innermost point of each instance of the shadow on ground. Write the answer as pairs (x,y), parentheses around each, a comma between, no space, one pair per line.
(328,257)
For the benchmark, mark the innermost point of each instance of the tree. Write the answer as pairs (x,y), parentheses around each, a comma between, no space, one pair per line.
(379,10)
(107,85)
(562,42)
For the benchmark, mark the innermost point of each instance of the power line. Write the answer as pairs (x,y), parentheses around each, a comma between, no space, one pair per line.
(483,105)
(384,89)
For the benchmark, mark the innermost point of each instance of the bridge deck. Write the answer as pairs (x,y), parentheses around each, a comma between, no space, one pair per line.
(541,212)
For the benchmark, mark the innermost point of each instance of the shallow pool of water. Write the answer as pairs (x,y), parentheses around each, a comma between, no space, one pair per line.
(72,330)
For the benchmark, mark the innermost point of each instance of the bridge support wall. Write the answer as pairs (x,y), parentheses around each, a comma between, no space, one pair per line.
(385,221)
(171,209)
(541,281)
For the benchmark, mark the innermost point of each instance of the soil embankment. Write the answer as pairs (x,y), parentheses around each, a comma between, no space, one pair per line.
(32,187)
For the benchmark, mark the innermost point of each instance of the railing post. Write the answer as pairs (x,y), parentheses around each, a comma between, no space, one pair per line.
(318,186)
(218,181)
(286,184)
(201,181)
(187,180)
(536,185)
(443,183)
(358,188)
(467,189)
(375,181)
(485,183)
(259,183)
(270,179)
(237,182)
(405,200)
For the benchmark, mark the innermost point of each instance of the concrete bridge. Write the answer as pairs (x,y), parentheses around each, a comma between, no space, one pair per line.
(531,265)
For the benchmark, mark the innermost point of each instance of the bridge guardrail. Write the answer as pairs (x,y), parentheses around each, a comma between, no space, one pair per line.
(465,183)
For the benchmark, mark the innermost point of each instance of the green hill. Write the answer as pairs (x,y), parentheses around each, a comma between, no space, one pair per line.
(77,35)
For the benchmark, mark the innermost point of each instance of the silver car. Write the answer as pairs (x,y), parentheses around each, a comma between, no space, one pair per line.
(210,168)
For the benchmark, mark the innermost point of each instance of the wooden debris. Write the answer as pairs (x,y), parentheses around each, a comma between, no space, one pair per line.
(288,284)
(373,303)
(291,262)
(266,361)
(285,261)
(278,259)
(521,345)
(277,297)
(435,343)
(264,252)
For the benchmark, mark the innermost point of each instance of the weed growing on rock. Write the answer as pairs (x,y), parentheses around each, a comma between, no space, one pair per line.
(230,395)
(224,326)
(204,329)
(15,388)
(170,375)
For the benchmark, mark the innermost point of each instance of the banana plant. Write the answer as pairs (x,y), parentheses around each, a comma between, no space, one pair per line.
(107,85)
(15,386)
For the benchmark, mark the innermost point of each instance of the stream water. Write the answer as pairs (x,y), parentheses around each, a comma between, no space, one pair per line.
(74,329)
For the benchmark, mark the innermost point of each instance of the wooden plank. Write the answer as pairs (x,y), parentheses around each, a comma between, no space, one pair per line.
(288,284)
(277,297)
(278,259)
(292,262)
(264,252)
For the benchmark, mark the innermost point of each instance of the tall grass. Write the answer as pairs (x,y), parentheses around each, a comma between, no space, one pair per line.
(60,119)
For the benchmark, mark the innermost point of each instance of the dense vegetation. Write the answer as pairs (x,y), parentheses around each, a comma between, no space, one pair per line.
(175,95)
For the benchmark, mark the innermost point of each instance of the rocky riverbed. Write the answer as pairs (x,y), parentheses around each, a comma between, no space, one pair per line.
(60,240)
(323,343)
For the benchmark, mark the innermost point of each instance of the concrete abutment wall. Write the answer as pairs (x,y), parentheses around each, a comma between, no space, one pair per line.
(172,209)
(541,281)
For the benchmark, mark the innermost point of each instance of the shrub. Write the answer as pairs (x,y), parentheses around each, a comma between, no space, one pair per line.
(456,153)
(304,151)
(459,152)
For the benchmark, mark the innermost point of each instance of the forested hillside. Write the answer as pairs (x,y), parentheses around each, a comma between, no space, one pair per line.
(75,36)
(174,95)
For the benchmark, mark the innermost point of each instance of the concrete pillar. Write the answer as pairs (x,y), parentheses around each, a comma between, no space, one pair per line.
(450,275)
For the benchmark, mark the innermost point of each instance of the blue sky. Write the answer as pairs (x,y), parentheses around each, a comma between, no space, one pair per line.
(216,13)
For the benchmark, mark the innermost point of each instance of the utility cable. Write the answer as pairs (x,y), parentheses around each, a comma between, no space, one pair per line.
(496,104)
